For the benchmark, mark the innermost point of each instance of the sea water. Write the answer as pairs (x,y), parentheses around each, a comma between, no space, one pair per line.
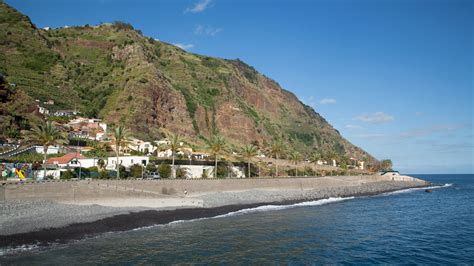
(409,226)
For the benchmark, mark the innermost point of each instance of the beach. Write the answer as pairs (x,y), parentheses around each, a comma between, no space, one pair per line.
(45,220)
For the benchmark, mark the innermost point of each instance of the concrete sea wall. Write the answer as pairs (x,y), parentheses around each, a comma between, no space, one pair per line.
(96,189)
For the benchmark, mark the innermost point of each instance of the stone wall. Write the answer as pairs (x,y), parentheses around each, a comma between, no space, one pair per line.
(95,189)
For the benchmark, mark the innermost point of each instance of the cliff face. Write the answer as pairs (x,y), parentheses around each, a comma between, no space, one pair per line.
(114,72)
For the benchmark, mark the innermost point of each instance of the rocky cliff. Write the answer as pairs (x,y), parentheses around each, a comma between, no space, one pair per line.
(113,72)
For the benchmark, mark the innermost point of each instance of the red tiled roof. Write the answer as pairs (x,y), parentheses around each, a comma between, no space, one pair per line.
(64,159)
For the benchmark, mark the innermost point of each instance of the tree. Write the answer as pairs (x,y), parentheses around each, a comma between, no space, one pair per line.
(330,156)
(46,134)
(248,152)
(386,165)
(164,170)
(295,157)
(315,157)
(277,148)
(216,146)
(150,168)
(174,143)
(136,170)
(119,139)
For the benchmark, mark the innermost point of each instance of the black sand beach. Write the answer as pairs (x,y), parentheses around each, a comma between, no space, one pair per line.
(133,220)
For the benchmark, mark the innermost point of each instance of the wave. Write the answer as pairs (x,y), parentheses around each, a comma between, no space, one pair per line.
(415,189)
(265,208)
(282,207)
(19,249)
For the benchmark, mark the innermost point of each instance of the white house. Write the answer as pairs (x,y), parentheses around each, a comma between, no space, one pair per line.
(142,146)
(42,110)
(164,154)
(69,160)
(126,161)
(89,128)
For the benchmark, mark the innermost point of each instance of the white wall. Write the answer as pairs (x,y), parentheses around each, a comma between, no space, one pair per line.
(196,171)
(126,161)
(86,163)
(51,150)
(40,174)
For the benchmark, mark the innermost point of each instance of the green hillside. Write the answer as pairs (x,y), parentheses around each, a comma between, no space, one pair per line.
(115,73)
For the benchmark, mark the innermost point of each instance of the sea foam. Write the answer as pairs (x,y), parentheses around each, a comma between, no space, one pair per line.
(282,207)
(415,189)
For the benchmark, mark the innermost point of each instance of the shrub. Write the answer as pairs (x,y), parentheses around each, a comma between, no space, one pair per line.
(309,171)
(104,175)
(136,170)
(183,173)
(292,172)
(150,168)
(67,175)
(137,153)
(85,172)
(120,25)
(164,170)
(222,169)
(123,172)
(92,169)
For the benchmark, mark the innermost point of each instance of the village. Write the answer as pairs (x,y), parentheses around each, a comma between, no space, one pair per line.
(89,153)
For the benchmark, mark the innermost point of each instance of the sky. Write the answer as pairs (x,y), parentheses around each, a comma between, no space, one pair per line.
(395,77)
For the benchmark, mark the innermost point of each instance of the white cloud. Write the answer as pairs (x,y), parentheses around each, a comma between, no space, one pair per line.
(375,118)
(199,6)
(184,46)
(370,136)
(327,101)
(422,132)
(353,127)
(206,30)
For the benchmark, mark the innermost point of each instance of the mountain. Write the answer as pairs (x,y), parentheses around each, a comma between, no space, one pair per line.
(113,72)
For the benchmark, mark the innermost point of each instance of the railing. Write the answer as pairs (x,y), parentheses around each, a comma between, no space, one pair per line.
(16,151)
(11,146)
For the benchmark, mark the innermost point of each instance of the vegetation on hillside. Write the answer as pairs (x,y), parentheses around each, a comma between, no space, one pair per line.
(111,71)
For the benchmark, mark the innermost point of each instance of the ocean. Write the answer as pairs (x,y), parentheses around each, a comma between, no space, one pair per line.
(405,227)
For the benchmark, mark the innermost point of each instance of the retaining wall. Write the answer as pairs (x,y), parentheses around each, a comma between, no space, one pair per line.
(94,189)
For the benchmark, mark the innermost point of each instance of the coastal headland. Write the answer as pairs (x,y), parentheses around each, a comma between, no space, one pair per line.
(46,212)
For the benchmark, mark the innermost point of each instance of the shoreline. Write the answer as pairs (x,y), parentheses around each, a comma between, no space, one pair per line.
(133,218)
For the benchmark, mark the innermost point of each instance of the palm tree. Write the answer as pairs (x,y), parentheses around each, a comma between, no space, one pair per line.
(295,157)
(315,157)
(47,135)
(332,156)
(174,143)
(248,152)
(119,139)
(277,148)
(216,145)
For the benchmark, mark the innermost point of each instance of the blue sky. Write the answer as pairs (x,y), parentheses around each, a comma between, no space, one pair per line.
(395,77)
